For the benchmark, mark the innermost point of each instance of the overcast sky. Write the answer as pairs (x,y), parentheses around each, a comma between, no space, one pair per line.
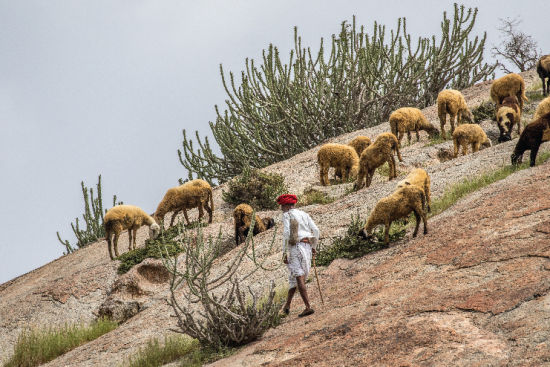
(106,87)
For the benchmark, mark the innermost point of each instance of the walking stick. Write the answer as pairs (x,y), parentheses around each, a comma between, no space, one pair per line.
(317,277)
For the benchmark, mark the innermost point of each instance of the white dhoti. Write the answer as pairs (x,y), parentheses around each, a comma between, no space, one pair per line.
(299,262)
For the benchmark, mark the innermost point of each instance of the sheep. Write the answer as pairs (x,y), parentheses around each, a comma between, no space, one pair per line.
(395,206)
(452,102)
(543,69)
(242,215)
(418,177)
(542,109)
(508,114)
(406,119)
(359,144)
(375,155)
(534,134)
(343,157)
(509,85)
(192,194)
(128,217)
(469,134)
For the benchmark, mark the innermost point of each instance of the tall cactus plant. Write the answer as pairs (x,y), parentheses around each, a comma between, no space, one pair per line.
(279,110)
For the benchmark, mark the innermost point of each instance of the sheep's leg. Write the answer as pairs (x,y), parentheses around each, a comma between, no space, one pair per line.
(417,136)
(135,235)
(442,118)
(456,146)
(370,173)
(464,148)
(115,242)
(201,212)
(345,173)
(209,211)
(534,152)
(186,217)
(387,233)
(360,179)
(129,239)
(409,136)
(393,171)
(174,215)
(109,245)
(452,121)
(475,147)
(417,217)
(428,198)
(324,175)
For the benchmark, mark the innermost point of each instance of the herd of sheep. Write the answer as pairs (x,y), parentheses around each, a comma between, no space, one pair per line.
(359,159)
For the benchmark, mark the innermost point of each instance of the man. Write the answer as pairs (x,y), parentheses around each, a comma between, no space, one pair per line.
(297,255)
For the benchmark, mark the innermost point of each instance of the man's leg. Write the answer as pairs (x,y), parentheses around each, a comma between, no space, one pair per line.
(289,297)
(301,280)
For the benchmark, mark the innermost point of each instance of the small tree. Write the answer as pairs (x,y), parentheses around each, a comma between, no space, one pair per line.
(93,218)
(517,47)
(212,305)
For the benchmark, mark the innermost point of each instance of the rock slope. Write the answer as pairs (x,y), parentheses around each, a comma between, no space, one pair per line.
(474,286)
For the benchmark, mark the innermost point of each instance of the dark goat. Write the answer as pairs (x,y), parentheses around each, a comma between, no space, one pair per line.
(534,134)
(543,69)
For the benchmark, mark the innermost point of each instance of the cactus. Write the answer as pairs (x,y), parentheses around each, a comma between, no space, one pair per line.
(279,110)
(93,218)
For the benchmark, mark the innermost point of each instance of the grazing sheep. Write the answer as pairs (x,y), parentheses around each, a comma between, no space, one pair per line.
(128,217)
(342,157)
(395,206)
(242,216)
(359,144)
(452,102)
(507,86)
(407,119)
(542,109)
(543,69)
(418,177)
(375,155)
(534,134)
(192,194)
(469,134)
(508,114)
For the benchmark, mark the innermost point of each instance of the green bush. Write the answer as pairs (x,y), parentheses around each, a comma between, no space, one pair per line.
(255,188)
(485,111)
(164,245)
(352,245)
(37,346)
(312,196)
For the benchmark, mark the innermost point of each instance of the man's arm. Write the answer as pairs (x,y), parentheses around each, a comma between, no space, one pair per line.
(286,235)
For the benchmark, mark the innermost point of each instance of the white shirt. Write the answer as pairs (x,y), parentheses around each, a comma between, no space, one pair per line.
(306,226)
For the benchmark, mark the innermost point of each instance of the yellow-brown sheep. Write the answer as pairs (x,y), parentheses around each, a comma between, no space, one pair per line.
(395,206)
(407,119)
(543,69)
(359,144)
(342,157)
(471,134)
(507,86)
(418,177)
(374,156)
(192,194)
(508,115)
(128,217)
(452,102)
(542,109)
(242,216)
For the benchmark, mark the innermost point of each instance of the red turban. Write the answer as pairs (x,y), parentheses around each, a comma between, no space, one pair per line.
(287,199)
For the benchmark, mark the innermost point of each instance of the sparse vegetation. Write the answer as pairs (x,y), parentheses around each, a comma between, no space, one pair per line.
(517,48)
(312,196)
(279,109)
(485,111)
(39,345)
(352,245)
(255,188)
(384,170)
(165,244)
(93,218)
(435,141)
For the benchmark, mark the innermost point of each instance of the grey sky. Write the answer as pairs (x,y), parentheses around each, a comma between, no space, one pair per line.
(90,87)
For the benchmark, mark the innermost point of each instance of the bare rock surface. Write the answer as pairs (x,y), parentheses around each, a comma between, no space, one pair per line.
(471,292)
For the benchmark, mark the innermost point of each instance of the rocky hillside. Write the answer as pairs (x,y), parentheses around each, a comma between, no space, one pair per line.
(471,292)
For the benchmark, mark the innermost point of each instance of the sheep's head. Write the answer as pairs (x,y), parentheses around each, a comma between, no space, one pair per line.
(365,235)
(432,131)
(516,158)
(486,143)
(154,230)
(505,122)
(268,222)
(467,115)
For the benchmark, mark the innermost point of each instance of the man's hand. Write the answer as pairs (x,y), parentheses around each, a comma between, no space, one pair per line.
(285,259)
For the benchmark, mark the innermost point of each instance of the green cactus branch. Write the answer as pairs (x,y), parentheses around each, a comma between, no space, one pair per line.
(277,110)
